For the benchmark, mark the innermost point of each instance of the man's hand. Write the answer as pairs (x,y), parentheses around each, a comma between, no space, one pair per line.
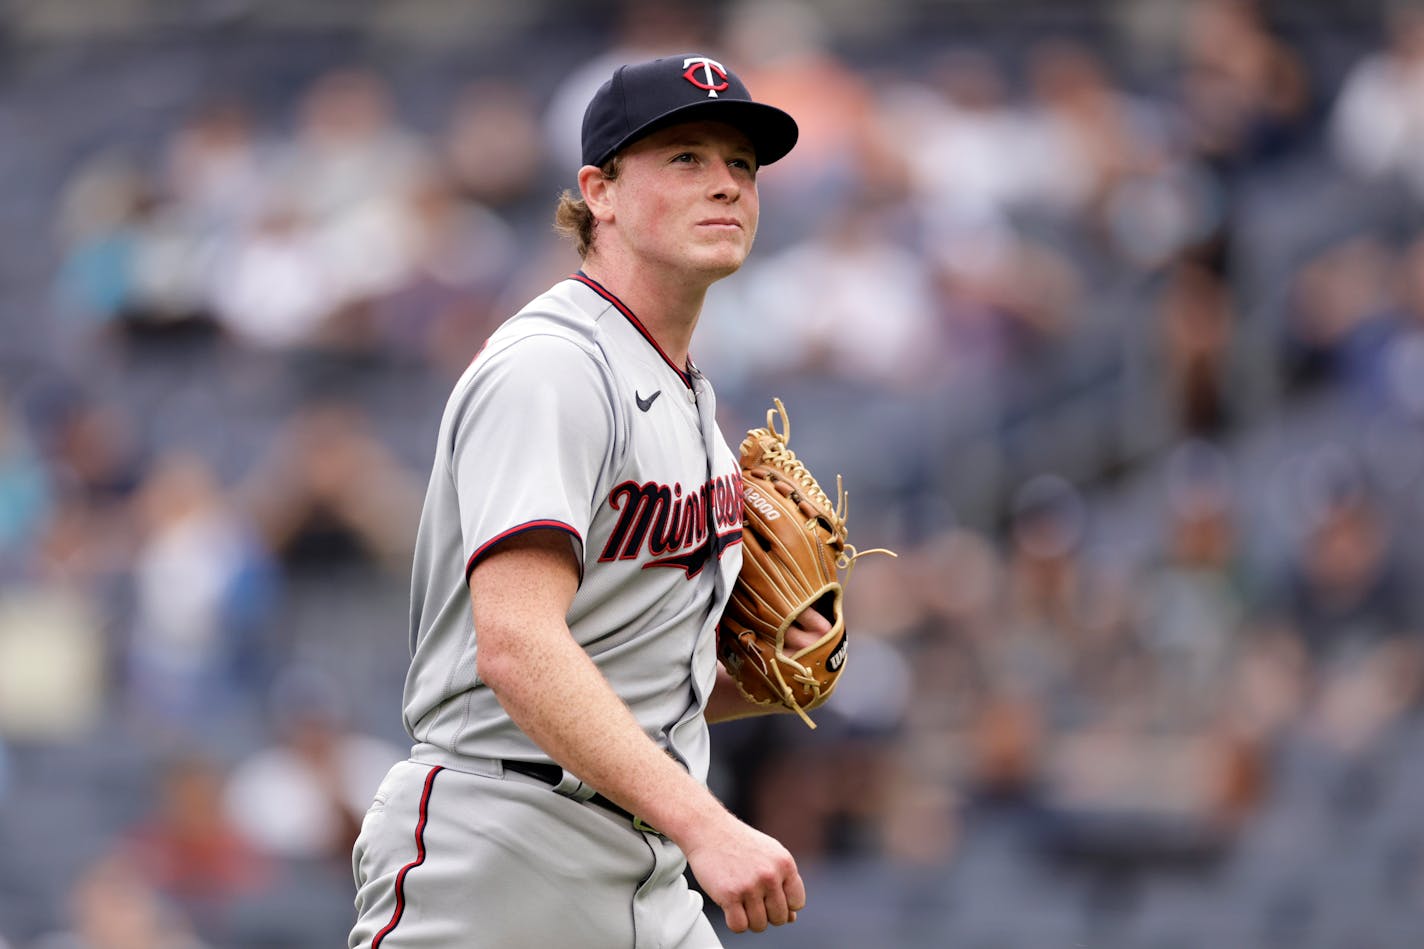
(751,876)
(808,629)
(728,702)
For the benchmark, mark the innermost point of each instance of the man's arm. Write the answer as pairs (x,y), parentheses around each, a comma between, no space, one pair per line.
(520,594)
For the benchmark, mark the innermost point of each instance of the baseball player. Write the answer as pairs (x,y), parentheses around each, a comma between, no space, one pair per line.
(579,540)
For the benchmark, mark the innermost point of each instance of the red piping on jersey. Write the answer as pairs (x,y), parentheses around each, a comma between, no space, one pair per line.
(478,352)
(419,857)
(599,289)
(518,529)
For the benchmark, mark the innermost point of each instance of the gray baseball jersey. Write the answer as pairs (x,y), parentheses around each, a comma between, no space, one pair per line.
(570,418)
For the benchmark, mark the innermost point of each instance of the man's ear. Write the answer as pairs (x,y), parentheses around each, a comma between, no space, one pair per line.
(595,188)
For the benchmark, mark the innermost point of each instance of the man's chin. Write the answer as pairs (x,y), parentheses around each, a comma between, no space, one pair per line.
(719,265)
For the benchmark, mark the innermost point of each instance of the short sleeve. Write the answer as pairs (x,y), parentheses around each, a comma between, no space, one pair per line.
(531,439)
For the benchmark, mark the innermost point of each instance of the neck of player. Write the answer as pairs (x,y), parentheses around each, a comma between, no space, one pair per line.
(668,305)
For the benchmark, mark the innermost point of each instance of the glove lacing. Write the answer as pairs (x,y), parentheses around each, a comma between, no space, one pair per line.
(779,451)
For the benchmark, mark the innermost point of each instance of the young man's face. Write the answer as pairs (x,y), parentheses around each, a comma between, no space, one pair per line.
(686,198)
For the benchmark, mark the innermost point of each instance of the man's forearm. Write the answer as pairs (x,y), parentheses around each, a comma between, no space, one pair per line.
(553,691)
(727,703)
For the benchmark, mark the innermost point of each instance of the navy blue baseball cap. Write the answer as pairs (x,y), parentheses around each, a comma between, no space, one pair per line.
(644,97)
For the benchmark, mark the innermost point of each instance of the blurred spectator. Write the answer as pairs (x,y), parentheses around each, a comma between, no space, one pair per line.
(1380,354)
(1377,124)
(302,798)
(333,231)
(974,170)
(93,447)
(1009,306)
(1198,333)
(1345,596)
(1060,624)
(1186,373)
(98,220)
(1104,167)
(1404,358)
(214,166)
(1343,312)
(190,851)
(1193,609)
(961,138)
(203,590)
(275,289)
(1244,103)
(1345,589)
(1004,769)
(1087,138)
(329,492)
(491,146)
(1138,800)
(1192,604)
(350,151)
(25,490)
(113,905)
(63,617)
(462,254)
(133,265)
(1245,91)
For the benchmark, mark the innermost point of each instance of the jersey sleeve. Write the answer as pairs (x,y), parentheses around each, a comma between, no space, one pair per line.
(530,442)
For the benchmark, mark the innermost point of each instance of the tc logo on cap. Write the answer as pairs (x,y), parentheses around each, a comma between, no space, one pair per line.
(713,76)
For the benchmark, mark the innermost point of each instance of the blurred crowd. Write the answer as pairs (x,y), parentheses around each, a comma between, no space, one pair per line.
(1114,327)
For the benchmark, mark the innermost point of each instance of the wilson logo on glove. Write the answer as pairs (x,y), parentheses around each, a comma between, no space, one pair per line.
(795,557)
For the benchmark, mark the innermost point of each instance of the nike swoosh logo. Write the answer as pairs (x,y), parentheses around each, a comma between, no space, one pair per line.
(647,403)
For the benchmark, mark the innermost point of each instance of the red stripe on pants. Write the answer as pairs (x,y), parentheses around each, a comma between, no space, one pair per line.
(419,857)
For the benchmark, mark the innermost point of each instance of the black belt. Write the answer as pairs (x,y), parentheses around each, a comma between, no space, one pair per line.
(552,775)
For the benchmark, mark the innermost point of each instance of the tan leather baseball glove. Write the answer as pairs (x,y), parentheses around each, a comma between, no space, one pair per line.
(794,557)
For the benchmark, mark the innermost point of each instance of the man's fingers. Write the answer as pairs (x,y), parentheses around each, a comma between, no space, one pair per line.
(756,913)
(807,630)
(777,912)
(812,622)
(795,893)
(736,917)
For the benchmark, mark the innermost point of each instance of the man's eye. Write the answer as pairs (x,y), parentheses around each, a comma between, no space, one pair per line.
(684,156)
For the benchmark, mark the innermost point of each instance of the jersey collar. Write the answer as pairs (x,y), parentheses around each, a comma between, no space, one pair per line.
(685,374)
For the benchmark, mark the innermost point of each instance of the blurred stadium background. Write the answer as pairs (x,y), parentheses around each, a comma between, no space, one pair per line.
(1111,314)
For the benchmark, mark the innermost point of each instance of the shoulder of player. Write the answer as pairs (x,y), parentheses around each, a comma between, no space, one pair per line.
(522,368)
(536,349)
(555,339)
(554,315)
(533,357)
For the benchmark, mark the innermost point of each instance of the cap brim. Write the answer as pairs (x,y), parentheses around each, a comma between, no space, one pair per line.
(772,132)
